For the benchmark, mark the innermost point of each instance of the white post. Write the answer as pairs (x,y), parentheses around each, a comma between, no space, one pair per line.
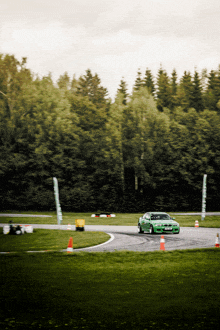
(56,193)
(204,197)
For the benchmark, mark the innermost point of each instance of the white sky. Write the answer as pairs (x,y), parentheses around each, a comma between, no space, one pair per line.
(113,38)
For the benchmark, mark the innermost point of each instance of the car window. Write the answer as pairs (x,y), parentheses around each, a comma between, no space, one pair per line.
(162,216)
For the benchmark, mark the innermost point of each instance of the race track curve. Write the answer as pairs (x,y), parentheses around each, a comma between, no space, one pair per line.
(127,238)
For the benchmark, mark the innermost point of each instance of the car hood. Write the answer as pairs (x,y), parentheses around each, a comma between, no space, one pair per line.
(164,222)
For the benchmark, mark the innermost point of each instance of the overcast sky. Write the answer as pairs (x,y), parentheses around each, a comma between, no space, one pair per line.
(113,38)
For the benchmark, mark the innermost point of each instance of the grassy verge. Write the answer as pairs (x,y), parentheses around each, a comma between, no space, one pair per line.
(119,290)
(122,219)
(42,239)
(189,220)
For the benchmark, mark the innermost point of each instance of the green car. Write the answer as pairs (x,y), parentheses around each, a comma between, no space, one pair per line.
(157,222)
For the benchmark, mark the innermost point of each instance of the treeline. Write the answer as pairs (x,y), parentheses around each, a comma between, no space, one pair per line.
(144,151)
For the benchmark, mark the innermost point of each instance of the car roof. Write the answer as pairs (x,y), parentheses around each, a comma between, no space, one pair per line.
(157,212)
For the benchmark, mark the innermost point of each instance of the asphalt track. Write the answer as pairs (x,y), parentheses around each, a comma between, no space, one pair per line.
(127,238)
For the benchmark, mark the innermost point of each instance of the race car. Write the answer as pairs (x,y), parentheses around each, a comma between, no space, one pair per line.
(157,222)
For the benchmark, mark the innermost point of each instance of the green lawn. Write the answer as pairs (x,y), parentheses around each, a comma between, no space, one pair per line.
(122,219)
(55,240)
(119,290)
(115,290)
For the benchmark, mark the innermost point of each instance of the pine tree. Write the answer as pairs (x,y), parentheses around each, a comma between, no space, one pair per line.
(210,96)
(74,85)
(64,81)
(90,86)
(163,90)
(174,86)
(148,81)
(123,90)
(217,89)
(184,92)
(212,92)
(174,82)
(197,100)
(138,82)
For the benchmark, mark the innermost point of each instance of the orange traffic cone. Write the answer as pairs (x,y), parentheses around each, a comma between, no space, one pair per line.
(69,226)
(162,243)
(217,241)
(197,224)
(70,245)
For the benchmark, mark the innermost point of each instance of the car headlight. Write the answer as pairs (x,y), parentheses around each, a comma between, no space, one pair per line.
(158,225)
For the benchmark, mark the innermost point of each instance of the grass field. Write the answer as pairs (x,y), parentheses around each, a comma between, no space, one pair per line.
(115,290)
(54,240)
(122,219)
(119,290)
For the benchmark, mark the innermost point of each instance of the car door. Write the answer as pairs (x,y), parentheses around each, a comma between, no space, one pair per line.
(146,222)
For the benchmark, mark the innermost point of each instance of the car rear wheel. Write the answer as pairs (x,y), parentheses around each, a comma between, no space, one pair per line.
(139,229)
(151,230)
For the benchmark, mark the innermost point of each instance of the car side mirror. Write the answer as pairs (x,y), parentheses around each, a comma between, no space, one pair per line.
(173,218)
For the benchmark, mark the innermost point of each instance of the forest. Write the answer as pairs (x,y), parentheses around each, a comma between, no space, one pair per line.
(144,151)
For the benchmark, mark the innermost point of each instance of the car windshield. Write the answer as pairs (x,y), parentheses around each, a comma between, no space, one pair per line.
(162,216)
